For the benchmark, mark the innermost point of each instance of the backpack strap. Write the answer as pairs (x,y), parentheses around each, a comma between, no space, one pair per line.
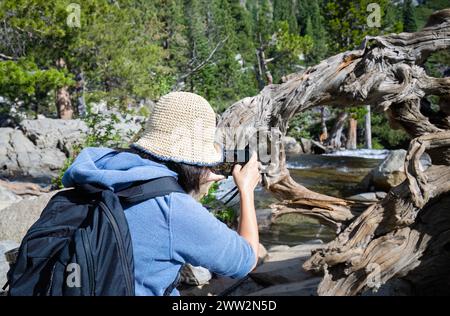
(150,189)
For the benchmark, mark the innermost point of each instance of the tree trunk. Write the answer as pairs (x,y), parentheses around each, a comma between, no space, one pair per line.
(334,141)
(368,128)
(63,102)
(80,87)
(323,123)
(352,130)
(403,238)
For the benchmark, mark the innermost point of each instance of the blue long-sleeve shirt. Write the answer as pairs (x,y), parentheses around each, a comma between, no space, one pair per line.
(166,231)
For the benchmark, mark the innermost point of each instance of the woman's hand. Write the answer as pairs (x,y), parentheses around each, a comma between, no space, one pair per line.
(247,177)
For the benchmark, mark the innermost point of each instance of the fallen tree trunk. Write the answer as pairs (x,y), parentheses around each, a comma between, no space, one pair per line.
(386,240)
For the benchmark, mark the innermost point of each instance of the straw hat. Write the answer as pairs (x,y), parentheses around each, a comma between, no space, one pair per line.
(181,128)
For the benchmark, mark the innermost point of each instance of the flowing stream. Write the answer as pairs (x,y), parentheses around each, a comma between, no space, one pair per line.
(336,174)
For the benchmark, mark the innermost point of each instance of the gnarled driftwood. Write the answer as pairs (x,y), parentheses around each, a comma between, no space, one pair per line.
(410,228)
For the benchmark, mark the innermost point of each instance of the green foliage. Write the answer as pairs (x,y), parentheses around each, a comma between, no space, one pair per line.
(222,212)
(211,196)
(57,182)
(312,24)
(226,215)
(386,137)
(131,51)
(409,17)
(301,124)
(23,81)
(346,22)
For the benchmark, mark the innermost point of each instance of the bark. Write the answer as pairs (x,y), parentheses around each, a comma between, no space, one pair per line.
(407,232)
(323,124)
(335,139)
(352,130)
(368,128)
(63,102)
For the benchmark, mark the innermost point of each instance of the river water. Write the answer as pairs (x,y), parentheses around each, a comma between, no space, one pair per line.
(337,174)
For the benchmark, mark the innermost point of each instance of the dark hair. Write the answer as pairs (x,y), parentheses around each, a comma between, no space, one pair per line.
(189,176)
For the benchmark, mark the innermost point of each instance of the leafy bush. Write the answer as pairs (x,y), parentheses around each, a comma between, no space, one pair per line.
(225,214)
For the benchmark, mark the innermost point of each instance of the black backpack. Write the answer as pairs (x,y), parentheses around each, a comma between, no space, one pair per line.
(81,243)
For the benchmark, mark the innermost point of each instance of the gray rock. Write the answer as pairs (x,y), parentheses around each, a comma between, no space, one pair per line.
(284,265)
(48,133)
(38,149)
(306,145)
(218,284)
(5,245)
(195,275)
(20,157)
(17,218)
(7,197)
(292,146)
(390,172)
(368,197)
(303,288)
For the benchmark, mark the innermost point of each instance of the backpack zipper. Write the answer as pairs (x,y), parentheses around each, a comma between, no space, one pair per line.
(120,247)
(90,261)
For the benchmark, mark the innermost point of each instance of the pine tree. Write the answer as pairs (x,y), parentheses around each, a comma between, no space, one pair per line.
(409,17)
(285,10)
(312,24)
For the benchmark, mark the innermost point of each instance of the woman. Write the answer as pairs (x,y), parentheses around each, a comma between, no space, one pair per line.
(175,229)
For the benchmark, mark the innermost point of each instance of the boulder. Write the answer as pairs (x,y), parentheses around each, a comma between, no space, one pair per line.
(192,275)
(368,197)
(37,149)
(283,264)
(303,288)
(17,218)
(21,158)
(5,245)
(390,172)
(47,133)
(220,285)
(292,146)
(306,145)
(7,197)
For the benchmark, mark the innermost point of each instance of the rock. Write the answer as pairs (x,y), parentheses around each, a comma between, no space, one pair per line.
(48,133)
(17,218)
(283,264)
(38,149)
(279,248)
(306,145)
(303,288)
(219,284)
(368,197)
(7,198)
(292,146)
(390,172)
(195,275)
(20,158)
(5,245)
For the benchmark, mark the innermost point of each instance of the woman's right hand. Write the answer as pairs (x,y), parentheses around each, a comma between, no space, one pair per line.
(247,177)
